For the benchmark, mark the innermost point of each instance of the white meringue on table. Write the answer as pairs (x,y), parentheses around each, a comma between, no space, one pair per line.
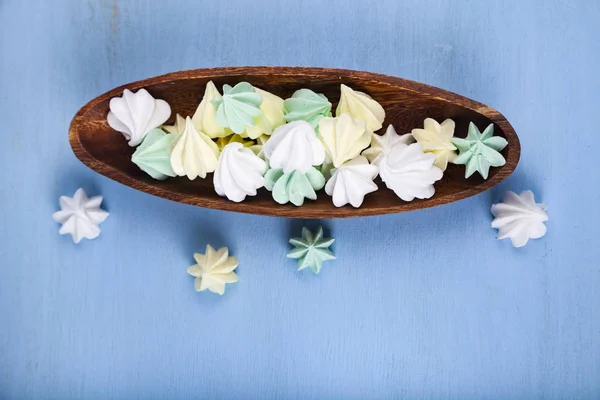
(239,172)
(410,172)
(80,216)
(519,218)
(361,106)
(351,182)
(136,114)
(381,145)
(294,147)
(343,137)
(194,154)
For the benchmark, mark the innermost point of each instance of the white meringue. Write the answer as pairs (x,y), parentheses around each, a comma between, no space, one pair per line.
(239,172)
(271,118)
(194,154)
(381,145)
(294,147)
(204,118)
(136,114)
(343,137)
(80,216)
(436,138)
(361,106)
(409,172)
(351,182)
(519,218)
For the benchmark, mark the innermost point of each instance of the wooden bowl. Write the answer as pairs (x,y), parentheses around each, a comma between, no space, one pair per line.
(406,104)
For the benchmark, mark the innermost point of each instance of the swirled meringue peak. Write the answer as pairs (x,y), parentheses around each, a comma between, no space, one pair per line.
(519,218)
(153,156)
(271,115)
(361,106)
(436,138)
(410,172)
(194,154)
(351,182)
(136,114)
(306,105)
(381,145)
(343,137)
(239,172)
(204,118)
(238,107)
(294,147)
(294,186)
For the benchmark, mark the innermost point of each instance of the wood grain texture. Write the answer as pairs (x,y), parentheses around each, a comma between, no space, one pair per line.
(406,103)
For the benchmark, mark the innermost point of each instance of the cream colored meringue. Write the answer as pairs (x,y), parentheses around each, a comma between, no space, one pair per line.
(436,138)
(213,270)
(351,182)
(136,114)
(381,145)
(343,137)
(409,172)
(294,147)
(239,173)
(194,154)
(519,218)
(361,106)
(204,118)
(177,127)
(271,118)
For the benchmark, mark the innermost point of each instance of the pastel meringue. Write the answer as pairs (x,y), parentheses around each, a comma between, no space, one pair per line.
(436,138)
(239,172)
(409,172)
(381,145)
(361,106)
(271,115)
(519,218)
(259,146)
(194,154)
(351,182)
(153,156)
(235,138)
(343,137)
(80,216)
(311,250)
(213,270)
(294,147)
(306,105)
(204,119)
(178,127)
(294,186)
(480,151)
(238,107)
(136,114)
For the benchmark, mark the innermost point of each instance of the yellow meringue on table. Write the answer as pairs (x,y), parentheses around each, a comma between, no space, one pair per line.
(343,137)
(271,118)
(361,106)
(204,118)
(194,154)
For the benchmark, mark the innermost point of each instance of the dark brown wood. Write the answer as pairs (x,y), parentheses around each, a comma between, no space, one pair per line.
(406,103)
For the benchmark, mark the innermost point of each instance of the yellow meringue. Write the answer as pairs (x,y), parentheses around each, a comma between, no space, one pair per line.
(437,138)
(204,118)
(271,118)
(361,106)
(343,137)
(194,154)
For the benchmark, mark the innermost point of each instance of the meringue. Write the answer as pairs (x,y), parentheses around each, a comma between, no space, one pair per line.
(308,106)
(351,182)
(409,172)
(213,270)
(271,117)
(239,173)
(361,106)
(238,107)
(204,119)
(480,151)
(80,216)
(436,138)
(153,156)
(311,250)
(194,154)
(381,145)
(294,147)
(259,147)
(224,141)
(295,186)
(136,114)
(519,218)
(178,127)
(343,137)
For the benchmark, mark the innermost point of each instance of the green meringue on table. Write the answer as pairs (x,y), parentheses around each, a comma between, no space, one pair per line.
(480,151)
(238,107)
(311,250)
(306,105)
(153,156)
(294,186)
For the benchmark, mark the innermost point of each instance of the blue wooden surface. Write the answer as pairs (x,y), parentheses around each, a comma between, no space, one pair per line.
(421,305)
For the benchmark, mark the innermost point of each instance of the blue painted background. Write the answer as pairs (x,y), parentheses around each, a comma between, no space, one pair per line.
(420,305)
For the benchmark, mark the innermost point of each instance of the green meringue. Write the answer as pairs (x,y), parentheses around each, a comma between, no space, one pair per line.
(295,186)
(480,151)
(308,106)
(311,250)
(153,156)
(238,107)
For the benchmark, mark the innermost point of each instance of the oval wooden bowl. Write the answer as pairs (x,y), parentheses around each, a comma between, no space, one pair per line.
(406,104)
